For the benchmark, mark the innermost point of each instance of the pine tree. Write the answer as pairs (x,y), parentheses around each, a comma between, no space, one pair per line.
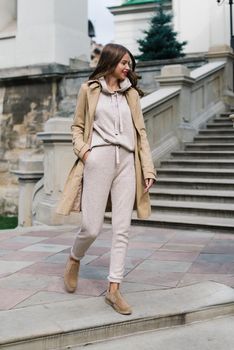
(160,40)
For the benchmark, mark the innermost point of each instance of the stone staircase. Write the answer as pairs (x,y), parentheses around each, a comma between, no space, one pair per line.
(195,187)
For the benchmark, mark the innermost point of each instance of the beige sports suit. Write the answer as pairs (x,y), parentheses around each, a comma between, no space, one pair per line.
(111,167)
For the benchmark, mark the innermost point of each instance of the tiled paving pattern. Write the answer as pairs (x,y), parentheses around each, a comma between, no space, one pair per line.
(32,263)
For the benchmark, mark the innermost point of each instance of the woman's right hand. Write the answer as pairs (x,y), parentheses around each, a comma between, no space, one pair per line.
(85,156)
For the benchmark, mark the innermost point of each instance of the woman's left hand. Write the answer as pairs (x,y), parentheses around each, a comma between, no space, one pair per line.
(148,184)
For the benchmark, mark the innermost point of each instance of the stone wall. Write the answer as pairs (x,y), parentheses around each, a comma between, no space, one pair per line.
(26,103)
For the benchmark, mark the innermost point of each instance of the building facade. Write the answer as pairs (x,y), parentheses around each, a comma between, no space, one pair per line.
(202,24)
(43,32)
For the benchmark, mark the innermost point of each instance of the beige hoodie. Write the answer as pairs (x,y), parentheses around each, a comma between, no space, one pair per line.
(113,121)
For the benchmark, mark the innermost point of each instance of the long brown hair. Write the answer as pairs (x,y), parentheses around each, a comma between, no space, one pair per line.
(110,57)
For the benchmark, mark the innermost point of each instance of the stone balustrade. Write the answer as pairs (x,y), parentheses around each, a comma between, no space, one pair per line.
(185,101)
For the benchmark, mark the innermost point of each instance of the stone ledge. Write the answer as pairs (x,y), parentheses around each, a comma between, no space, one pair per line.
(64,324)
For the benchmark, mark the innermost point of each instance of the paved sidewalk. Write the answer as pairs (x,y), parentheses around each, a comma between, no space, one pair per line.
(32,262)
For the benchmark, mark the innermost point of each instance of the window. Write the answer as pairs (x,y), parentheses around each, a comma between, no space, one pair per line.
(8,18)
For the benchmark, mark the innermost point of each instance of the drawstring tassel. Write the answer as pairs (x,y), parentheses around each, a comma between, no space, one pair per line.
(117,154)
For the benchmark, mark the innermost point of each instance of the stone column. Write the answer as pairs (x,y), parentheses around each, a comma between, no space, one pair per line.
(58,160)
(224,53)
(29,172)
(179,75)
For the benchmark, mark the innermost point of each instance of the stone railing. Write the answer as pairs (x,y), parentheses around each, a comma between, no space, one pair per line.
(172,115)
(184,102)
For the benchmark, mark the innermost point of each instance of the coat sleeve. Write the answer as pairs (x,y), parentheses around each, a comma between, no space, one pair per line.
(147,164)
(77,128)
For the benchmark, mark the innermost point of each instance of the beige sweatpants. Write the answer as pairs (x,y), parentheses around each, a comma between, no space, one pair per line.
(106,170)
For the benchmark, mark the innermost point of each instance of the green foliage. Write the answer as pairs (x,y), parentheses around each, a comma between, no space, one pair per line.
(160,40)
(8,222)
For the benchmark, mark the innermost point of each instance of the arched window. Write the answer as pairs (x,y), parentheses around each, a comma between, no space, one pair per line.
(8,18)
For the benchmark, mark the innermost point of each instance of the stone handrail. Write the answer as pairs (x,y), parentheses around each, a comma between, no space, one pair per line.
(184,102)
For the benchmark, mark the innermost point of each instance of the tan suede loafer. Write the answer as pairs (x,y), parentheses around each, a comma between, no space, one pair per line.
(71,275)
(116,300)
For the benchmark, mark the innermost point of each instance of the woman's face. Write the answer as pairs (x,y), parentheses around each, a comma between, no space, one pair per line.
(122,68)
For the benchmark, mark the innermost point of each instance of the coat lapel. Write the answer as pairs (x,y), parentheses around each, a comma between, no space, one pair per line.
(133,107)
(93,94)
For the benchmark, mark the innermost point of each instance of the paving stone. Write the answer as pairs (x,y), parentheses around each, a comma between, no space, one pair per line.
(129,287)
(183,247)
(140,253)
(44,233)
(4,252)
(9,298)
(92,287)
(104,260)
(43,268)
(174,256)
(102,243)
(27,281)
(191,278)
(88,258)
(156,238)
(205,267)
(190,240)
(59,258)
(25,256)
(93,272)
(86,287)
(226,236)
(166,279)
(25,239)
(163,266)
(144,245)
(44,297)
(13,266)
(219,258)
(97,250)
(219,246)
(67,235)
(5,234)
(59,240)
(40,247)
(13,245)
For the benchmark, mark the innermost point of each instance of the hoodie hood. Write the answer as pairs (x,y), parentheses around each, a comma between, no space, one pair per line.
(124,85)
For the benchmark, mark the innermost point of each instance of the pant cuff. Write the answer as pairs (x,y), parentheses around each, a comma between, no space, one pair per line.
(114,280)
(75,257)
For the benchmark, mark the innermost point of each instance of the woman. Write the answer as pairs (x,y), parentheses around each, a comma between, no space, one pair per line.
(114,157)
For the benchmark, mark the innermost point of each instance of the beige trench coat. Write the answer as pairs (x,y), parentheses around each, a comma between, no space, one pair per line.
(81,137)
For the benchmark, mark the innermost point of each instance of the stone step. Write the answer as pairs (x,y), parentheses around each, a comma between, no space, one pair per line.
(86,321)
(225,114)
(182,194)
(203,154)
(222,120)
(219,125)
(217,146)
(218,210)
(215,173)
(197,163)
(186,221)
(214,139)
(195,183)
(194,336)
(216,132)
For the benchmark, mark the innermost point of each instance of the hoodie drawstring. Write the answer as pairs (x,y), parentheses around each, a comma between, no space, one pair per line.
(117,120)
(120,115)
